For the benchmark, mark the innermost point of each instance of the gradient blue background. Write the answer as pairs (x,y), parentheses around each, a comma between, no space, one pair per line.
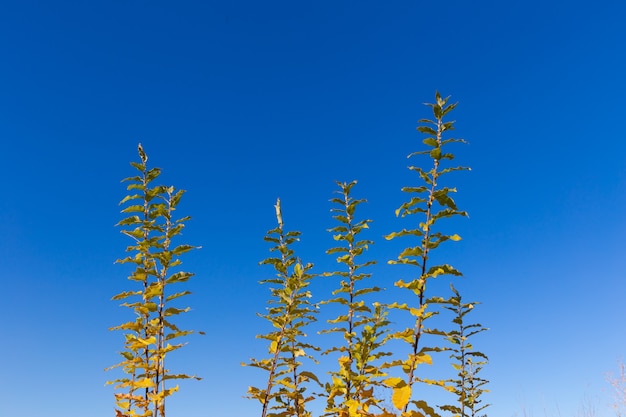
(243,102)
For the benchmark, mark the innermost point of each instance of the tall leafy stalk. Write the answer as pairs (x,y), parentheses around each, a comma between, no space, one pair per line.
(468,386)
(290,311)
(351,391)
(152,226)
(364,328)
(432,202)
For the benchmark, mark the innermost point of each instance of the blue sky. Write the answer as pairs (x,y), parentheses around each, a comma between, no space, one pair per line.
(244,102)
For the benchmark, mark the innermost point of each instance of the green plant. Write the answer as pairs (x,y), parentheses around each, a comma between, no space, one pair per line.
(432,202)
(351,391)
(468,386)
(289,313)
(152,226)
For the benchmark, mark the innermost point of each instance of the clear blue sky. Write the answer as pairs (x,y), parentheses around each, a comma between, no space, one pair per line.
(243,102)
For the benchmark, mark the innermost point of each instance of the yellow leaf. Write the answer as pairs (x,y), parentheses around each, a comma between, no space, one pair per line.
(344,361)
(147,341)
(401,396)
(157,398)
(338,382)
(353,406)
(392,382)
(423,358)
(144,383)
(418,312)
(139,343)
(153,290)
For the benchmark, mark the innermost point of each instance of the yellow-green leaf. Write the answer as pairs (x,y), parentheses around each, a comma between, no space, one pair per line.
(393,382)
(144,383)
(155,289)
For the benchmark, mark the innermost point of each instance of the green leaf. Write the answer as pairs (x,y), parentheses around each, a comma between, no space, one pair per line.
(176,295)
(131,197)
(437,270)
(153,290)
(125,294)
(436,153)
(140,167)
(175,335)
(129,221)
(444,199)
(414,251)
(152,174)
(430,141)
(178,250)
(421,189)
(179,277)
(427,130)
(404,232)
(171,311)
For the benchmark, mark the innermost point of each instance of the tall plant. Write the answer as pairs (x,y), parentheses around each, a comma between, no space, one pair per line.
(152,226)
(351,391)
(432,202)
(290,311)
(468,387)
(365,329)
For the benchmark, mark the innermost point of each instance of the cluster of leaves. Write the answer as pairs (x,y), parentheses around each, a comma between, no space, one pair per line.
(431,202)
(148,339)
(365,365)
(351,391)
(366,330)
(290,311)
(468,363)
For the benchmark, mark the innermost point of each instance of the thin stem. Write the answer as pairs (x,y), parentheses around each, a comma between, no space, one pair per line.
(296,399)
(425,250)
(147,266)
(351,272)
(270,380)
(159,405)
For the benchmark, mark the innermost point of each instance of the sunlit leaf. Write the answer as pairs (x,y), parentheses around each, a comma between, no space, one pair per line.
(401,396)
